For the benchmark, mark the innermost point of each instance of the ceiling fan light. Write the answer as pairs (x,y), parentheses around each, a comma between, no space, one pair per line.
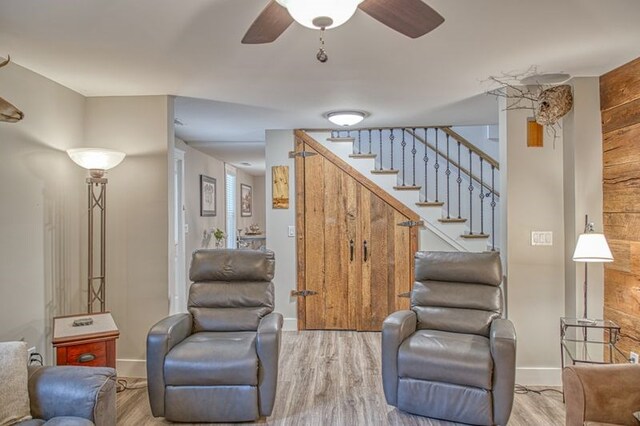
(345,118)
(305,11)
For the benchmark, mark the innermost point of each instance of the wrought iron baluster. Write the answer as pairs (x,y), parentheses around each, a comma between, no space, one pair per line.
(470,193)
(359,141)
(459,181)
(369,141)
(493,208)
(391,138)
(447,173)
(436,166)
(481,199)
(404,145)
(413,153)
(426,164)
(380,152)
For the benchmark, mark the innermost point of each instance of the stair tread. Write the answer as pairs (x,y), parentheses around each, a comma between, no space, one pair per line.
(341,139)
(430,203)
(452,220)
(474,236)
(362,155)
(407,188)
(385,172)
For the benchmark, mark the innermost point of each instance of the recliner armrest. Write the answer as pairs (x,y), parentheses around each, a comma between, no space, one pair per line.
(87,392)
(161,338)
(601,393)
(395,329)
(502,341)
(268,349)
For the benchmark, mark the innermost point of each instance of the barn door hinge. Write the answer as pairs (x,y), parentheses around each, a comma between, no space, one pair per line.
(405,294)
(303,154)
(302,293)
(411,223)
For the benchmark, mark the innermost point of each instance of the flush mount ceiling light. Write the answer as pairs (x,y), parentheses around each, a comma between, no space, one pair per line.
(345,118)
(316,14)
(549,78)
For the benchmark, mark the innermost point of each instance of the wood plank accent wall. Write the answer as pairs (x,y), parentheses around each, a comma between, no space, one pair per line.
(620,107)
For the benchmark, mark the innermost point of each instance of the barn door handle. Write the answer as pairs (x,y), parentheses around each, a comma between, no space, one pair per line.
(366,251)
(351,248)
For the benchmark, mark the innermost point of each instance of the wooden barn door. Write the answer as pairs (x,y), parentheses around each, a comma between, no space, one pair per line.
(353,258)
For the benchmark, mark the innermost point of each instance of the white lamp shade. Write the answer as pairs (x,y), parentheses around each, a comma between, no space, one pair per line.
(96,158)
(592,247)
(345,118)
(305,11)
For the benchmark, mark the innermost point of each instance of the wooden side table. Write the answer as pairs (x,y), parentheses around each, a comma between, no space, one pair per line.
(87,345)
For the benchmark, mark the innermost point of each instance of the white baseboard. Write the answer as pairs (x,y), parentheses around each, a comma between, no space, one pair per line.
(131,368)
(290,324)
(539,376)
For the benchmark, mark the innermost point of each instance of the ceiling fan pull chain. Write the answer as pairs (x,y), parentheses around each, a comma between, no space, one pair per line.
(322,54)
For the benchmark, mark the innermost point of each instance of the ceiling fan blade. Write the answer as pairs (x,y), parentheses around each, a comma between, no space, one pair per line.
(412,18)
(268,26)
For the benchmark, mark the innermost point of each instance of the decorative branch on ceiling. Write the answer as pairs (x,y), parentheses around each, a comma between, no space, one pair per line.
(542,94)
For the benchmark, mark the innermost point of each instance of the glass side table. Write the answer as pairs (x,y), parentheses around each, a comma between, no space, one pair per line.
(582,349)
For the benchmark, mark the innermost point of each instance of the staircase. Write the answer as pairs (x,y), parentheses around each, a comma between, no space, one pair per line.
(447,180)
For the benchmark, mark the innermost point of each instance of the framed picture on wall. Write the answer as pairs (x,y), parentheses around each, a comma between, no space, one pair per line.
(207,196)
(246,200)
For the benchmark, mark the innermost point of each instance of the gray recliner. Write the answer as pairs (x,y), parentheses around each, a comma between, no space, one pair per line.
(219,362)
(452,356)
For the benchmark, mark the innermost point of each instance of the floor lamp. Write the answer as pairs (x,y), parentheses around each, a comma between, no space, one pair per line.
(97,161)
(590,248)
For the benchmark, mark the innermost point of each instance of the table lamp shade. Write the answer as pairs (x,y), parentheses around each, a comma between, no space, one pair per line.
(592,247)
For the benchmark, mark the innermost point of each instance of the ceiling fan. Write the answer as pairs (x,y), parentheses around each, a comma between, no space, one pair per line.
(412,18)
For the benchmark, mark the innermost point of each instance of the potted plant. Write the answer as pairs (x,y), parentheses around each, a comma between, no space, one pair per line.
(218,234)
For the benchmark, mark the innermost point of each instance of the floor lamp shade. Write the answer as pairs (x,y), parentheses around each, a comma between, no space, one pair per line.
(592,247)
(97,161)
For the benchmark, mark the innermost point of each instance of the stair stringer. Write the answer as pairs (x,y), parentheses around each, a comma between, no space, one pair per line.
(434,233)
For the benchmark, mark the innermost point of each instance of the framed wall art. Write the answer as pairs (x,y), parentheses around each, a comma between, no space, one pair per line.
(246,200)
(207,196)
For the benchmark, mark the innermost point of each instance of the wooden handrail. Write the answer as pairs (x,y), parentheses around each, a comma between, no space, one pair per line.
(452,161)
(471,147)
(447,129)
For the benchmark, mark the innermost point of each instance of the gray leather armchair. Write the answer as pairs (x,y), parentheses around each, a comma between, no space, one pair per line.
(451,356)
(72,396)
(219,362)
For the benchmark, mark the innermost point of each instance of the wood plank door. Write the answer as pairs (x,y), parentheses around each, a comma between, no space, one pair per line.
(387,264)
(353,258)
(331,230)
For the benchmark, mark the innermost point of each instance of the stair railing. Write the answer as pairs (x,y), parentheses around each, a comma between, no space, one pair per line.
(459,166)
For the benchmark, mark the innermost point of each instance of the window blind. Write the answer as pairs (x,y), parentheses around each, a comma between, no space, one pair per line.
(230,205)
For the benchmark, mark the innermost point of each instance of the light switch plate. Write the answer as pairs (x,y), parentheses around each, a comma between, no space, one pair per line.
(541,238)
(291,231)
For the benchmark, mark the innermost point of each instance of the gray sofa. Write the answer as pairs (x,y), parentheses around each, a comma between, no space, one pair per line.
(452,356)
(72,396)
(219,362)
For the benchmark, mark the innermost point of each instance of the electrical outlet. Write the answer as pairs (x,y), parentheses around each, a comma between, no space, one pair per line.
(633,358)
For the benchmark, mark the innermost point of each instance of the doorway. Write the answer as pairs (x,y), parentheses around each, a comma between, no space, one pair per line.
(178,292)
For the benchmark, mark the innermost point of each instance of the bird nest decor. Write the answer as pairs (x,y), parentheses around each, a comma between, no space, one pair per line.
(548,103)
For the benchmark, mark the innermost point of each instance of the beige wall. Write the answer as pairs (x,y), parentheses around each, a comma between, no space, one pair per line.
(532,182)
(42,197)
(245,178)
(582,145)
(278,144)
(138,215)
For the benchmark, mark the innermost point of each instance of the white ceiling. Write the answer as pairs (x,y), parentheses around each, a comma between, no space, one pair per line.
(233,92)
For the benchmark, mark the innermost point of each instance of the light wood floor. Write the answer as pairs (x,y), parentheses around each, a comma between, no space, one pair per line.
(333,378)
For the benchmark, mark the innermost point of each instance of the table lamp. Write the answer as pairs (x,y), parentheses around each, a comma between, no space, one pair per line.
(591,247)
